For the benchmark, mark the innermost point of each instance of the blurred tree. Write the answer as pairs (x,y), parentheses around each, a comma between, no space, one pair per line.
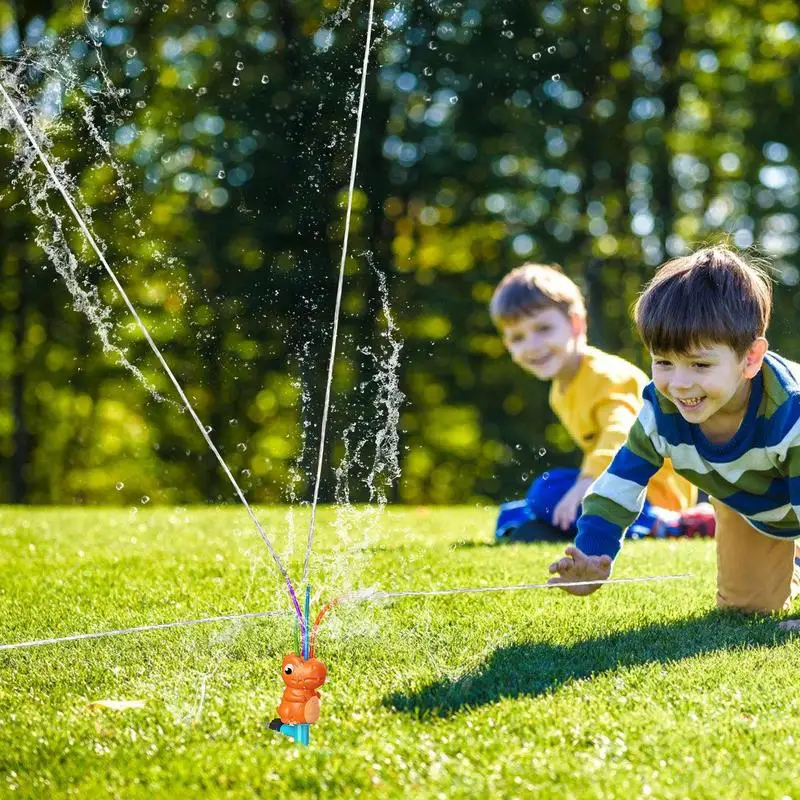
(211,146)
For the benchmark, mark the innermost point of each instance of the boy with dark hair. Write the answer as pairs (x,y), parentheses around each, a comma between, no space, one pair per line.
(726,411)
(541,316)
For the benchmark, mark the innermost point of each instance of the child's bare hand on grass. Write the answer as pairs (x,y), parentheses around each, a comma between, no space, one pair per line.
(566,511)
(577,566)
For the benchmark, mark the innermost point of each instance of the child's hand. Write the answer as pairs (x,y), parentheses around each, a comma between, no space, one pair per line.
(576,566)
(566,511)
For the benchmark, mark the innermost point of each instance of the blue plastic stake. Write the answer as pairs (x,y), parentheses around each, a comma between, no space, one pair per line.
(297,732)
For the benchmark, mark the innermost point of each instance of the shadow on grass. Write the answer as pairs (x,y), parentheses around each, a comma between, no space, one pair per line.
(529,670)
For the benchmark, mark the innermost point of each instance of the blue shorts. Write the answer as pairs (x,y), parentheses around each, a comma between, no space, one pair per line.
(546,493)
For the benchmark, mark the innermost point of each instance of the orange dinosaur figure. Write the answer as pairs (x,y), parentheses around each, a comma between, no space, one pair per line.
(300,703)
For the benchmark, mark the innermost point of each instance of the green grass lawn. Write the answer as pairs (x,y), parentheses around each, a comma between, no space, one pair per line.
(637,690)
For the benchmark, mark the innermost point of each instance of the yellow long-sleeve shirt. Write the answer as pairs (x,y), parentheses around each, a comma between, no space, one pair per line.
(598,407)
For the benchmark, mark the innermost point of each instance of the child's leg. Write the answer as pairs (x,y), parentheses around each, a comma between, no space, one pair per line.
(754,572)
(548,489)
(511,516)
(538,505)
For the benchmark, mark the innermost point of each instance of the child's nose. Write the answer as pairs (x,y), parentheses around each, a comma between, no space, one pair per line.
(682,379)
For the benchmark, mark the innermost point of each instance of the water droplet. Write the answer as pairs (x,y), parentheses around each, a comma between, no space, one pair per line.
(201,91)
(233,422)
(165,7)
(120,486)
(537,56)
(556,77)
(140,104)
(587,10)
(209,429)
(239,66)
(518,447)
(235,82)
(427,71)
(241,447)
(551,49)
(145,500)
(246,473)
(433,46)
(130,52)
(104,4)
(453,101)
(134,511)
(265,79)
(542,451)
(221,173)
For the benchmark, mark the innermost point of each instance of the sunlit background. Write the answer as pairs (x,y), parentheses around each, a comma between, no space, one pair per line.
(210,145)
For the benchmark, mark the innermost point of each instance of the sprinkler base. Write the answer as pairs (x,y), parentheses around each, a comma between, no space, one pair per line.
(300,733)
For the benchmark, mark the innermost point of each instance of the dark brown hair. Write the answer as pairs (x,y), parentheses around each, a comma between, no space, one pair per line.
(712,296)
(534,287)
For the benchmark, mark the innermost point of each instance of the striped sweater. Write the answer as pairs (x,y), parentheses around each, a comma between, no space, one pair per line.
(756,473)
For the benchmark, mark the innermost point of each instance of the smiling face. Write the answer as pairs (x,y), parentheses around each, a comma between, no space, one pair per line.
(300,674)
(710,384)
(547,343)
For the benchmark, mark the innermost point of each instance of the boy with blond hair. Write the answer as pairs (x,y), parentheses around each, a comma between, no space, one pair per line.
(726,411)
(541,316)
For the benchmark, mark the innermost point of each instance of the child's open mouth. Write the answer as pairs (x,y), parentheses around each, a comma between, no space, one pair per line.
(689,403)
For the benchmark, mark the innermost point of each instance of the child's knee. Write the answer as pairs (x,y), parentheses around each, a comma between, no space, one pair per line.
(754,605)
(773,593)
(548,489)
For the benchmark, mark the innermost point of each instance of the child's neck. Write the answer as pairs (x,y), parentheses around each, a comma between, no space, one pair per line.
(721,427)
(570,369)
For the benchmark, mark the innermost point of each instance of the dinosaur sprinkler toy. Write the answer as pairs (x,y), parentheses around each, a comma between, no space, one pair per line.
(302,674)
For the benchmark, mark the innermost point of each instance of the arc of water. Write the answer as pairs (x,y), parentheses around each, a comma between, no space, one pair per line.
(153,346)
(378,595)
(338,306)
(185,623)
(363,596)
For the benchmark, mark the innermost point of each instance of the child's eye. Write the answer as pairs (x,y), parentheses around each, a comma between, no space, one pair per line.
(702,365)
(659,362)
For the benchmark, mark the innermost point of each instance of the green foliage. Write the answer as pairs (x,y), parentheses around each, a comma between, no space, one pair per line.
(603,136)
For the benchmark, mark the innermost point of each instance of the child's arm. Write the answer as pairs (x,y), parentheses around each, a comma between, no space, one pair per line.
(615,500)
(615,416)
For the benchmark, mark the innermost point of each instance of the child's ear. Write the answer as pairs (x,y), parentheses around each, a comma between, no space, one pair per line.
(578,322)
(754,357)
